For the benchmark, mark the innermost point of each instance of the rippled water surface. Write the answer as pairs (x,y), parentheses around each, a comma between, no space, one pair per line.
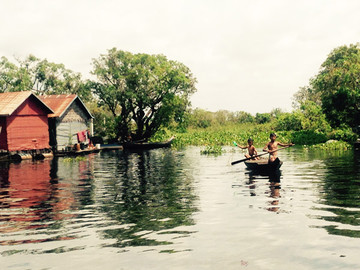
(169,209)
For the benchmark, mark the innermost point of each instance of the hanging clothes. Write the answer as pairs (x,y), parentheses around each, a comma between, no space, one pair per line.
(80,136)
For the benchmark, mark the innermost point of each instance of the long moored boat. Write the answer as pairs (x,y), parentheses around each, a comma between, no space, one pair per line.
(138,146)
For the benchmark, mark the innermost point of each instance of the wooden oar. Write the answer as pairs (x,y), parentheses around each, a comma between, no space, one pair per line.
(242,160)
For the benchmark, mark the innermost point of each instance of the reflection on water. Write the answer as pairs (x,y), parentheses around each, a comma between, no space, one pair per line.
(340,192)
(149,191)
(129,196)
(36,202)
(166,206)
(274,182)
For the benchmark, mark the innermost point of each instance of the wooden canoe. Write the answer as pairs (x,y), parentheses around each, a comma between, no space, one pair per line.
(139,146)
(76,153)
(263,165)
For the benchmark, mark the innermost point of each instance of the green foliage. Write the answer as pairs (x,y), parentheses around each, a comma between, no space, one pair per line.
(289,121)
(345,134)
(223,135)
(150,90)
(243,117)
(41,76)
(104,122)
(212,150)
(338,85)
(332,145)
(308,117)
(307,137)
(201,118)
(262,118)
(313,117)
(304,94)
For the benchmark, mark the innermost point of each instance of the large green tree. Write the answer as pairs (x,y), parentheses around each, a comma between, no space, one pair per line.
(143,92)
(337,87)
(42,77)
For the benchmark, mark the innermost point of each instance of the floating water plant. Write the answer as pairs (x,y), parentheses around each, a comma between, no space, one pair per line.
(212,150)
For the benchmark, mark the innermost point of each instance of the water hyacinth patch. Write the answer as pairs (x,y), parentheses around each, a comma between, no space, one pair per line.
(212,150)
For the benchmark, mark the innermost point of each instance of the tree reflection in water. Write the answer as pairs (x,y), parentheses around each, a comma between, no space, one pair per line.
(149,192)
(340,190)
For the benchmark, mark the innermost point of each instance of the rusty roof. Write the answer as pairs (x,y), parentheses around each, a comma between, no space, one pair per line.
(10,101)
(60,103)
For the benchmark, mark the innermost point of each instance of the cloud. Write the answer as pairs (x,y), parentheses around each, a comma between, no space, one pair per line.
(247,55)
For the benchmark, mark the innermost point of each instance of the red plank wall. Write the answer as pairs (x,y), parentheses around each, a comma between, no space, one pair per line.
(3,141)
(27,127)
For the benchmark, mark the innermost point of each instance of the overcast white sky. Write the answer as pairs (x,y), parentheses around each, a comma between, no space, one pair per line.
(247,55)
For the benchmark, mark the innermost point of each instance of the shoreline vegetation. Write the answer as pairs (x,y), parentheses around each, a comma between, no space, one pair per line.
(214,139)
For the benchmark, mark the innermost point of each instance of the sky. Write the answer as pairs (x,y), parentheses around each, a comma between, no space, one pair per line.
(250,56)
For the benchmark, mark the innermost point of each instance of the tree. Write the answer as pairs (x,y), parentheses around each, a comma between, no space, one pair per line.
(338,86)
(262,118)
(12,77)
(143,92)
(243,117)
(289,121)
(42,77)
(201,118)
(304,94)
(313,117)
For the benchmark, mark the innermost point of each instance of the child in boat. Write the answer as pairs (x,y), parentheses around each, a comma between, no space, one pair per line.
(272,146)
(251,149)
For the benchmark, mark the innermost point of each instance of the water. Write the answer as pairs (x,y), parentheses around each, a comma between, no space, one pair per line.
(167,209)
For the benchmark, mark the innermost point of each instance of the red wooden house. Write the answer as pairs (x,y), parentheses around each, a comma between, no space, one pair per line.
(23,122)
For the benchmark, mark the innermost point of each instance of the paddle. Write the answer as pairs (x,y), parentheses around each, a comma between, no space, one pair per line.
(242,160)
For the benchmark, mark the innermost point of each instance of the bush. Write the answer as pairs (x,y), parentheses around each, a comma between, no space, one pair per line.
(262,118)
(332,145)
(308,137)
(346,135)
(288,121)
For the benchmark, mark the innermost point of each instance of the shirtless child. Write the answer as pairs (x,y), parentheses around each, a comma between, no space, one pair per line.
(272,146)
(251,149)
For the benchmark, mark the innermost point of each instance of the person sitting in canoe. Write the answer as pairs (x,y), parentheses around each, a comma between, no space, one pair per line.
(272,146)
(251,149)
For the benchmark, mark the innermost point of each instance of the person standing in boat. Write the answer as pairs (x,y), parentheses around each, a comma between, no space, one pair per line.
(251,149)
(272,146)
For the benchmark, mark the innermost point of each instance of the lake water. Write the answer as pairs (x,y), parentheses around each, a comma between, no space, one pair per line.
(169,209)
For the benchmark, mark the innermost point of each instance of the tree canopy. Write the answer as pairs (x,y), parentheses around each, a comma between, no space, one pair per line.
(337,87)
(142,91)
(40,76)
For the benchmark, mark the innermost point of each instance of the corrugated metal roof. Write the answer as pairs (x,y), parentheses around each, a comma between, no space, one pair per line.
(60,103)
(10,101)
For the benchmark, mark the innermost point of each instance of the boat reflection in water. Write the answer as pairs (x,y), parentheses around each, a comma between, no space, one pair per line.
(273,177)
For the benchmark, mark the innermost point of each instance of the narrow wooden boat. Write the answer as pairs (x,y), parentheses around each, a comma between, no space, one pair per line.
(76,153)
(106,147)
(139,146)
(263,165)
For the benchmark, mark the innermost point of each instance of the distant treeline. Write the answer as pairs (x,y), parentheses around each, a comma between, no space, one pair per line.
(329,105)
(139,96)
